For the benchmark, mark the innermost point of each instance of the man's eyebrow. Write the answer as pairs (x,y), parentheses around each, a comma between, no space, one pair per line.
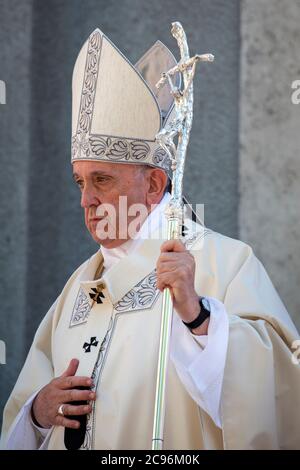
(100,173)
(94,173)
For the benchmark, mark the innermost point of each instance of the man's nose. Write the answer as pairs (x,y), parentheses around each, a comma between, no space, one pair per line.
(89,197)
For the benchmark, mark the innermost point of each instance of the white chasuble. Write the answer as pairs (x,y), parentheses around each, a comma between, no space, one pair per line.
(114,332)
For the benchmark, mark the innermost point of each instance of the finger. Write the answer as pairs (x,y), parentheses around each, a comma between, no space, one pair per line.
(67,423)
(72,368)
(74,381)
(171,260)
(77,395)
(182,256)
(166,267)
(170,256)
(172,245)
(166,280)
(70,410)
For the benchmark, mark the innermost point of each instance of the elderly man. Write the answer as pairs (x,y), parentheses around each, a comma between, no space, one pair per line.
(89,379)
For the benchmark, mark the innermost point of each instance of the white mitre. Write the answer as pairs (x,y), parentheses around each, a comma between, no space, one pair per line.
(116,108)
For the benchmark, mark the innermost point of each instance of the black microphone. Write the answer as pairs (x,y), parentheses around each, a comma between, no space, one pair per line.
(74,438)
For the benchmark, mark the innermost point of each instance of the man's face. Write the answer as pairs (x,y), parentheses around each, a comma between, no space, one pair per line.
(103,183)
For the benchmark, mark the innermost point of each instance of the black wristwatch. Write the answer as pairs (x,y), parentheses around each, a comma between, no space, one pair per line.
(203,315)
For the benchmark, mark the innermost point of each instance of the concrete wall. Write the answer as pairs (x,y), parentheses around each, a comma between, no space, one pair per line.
(15,115)
(269,157)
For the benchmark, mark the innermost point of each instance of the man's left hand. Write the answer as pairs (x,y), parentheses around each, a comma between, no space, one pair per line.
(176,270)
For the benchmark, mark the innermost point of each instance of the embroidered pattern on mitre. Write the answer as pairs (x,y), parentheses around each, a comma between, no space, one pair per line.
(115,114)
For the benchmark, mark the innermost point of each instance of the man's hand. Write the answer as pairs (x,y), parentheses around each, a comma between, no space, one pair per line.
(59,391)
(176,270)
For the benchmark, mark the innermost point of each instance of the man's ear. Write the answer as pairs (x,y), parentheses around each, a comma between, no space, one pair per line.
(157,180)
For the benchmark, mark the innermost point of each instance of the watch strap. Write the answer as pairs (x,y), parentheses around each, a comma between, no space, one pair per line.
(203,315)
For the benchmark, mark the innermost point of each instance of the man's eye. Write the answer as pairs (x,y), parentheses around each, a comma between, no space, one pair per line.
(79,184)
(101,180)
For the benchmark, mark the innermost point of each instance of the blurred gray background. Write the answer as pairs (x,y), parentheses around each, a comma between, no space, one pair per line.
(243,161)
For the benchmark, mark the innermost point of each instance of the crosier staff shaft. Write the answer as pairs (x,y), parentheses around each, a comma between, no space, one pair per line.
(180,126)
